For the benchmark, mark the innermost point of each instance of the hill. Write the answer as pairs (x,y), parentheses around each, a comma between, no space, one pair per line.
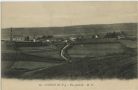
(129,28)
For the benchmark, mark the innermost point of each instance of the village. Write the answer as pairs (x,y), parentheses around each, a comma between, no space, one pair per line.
(52,38)
(49,51)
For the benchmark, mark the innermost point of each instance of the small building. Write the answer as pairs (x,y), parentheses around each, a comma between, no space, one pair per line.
(18,38)
(95,36)
(120,37)
(72,38)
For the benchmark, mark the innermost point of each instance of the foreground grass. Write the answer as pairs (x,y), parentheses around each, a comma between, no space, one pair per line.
(121,65)
(116,66)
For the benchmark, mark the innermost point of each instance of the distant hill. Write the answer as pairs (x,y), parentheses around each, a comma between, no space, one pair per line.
(129,28)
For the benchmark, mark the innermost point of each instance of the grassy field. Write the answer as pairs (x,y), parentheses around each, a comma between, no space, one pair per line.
(113,66)
(94,50)
(99,61)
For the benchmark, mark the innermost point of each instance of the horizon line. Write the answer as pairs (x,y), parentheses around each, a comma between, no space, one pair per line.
(70,25)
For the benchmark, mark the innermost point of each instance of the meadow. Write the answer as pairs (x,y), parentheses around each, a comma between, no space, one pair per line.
(89,61)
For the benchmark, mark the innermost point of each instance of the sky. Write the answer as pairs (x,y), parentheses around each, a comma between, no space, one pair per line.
(51,14)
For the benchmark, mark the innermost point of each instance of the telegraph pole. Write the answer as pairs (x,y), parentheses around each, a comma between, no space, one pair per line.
(11,36)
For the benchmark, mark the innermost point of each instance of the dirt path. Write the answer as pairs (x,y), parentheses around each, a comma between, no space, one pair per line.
(63,52)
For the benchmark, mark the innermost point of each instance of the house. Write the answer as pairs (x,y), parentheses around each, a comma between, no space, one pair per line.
(120,37)
(18,38)
(72,38)
(95,36)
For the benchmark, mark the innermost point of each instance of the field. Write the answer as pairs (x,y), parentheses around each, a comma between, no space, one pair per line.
(89,61)
(94,50)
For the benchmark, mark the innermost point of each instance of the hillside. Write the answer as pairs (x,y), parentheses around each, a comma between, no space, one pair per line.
(121,66)
(129,28)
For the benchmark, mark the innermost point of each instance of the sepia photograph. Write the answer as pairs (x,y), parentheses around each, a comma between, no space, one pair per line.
(69,40)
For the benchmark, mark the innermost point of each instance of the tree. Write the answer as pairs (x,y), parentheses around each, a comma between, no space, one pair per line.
(27,38)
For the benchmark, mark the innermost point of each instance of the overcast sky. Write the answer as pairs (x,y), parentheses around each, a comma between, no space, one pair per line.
(45,14)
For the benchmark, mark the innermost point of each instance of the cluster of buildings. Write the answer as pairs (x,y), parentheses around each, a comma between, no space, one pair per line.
(50,38)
